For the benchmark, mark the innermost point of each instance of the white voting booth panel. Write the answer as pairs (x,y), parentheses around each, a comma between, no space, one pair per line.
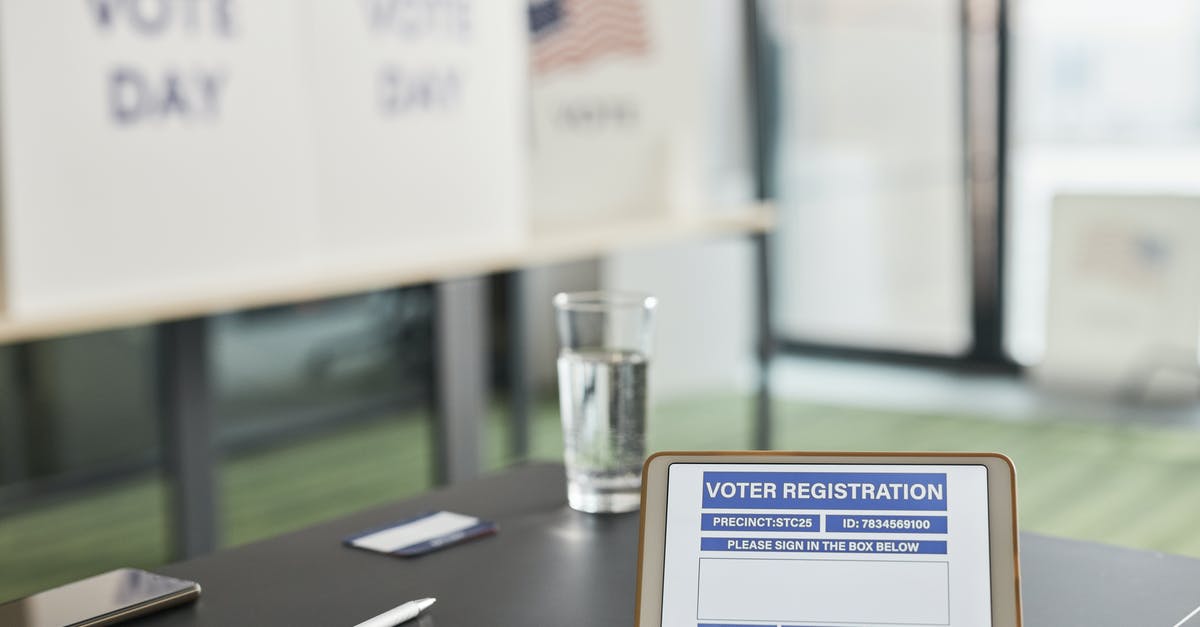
(641,102)
(157,149)
(421,126)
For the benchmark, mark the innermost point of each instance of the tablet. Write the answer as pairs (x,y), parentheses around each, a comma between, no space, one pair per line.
(747,539)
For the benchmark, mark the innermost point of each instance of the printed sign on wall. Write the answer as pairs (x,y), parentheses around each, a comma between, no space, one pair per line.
(1123,315)
(151,148)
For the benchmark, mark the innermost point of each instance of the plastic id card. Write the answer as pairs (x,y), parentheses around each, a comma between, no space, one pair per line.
(422,534)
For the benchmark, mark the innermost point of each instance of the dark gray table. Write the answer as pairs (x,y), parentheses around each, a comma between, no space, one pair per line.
(551,566)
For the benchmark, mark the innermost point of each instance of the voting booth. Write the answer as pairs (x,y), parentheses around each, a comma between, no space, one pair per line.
(153,151)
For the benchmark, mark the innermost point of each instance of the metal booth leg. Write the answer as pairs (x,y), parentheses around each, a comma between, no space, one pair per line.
(519,385)
(187,431)
(461,377)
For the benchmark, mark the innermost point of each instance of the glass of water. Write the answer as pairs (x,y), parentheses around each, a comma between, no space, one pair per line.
(604,340)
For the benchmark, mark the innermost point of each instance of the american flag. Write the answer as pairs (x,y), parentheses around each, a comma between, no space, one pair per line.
(575,32)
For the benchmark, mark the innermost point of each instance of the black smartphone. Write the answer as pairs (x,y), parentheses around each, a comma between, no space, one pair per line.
(105,599)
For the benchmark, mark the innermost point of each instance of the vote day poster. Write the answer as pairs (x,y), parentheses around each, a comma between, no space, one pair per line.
(421,132)
(158,149)
(151,149)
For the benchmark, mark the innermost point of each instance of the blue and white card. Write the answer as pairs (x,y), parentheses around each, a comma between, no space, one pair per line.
(422,534)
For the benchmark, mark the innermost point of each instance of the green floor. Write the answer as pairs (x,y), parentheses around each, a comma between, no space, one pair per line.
(1133,486)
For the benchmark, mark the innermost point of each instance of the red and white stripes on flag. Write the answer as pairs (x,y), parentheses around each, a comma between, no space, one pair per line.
(575,32)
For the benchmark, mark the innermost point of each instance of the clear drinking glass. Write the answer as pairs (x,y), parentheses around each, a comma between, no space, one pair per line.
(604,340)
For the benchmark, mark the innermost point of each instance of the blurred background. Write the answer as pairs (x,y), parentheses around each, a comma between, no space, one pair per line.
(986,237)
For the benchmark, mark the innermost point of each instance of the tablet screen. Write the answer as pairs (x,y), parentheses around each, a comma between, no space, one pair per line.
(815,545)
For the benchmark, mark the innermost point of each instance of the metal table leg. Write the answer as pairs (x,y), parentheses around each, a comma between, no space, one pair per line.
(461,377)
(187,430)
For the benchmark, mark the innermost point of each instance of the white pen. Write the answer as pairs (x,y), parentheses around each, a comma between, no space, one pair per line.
(401,614)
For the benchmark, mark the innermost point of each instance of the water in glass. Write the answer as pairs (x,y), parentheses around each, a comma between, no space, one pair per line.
(602,395)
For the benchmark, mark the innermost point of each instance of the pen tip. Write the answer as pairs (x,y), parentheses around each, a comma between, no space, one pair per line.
(425,603)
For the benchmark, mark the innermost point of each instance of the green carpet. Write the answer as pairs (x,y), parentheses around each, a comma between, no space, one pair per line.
(1125,485)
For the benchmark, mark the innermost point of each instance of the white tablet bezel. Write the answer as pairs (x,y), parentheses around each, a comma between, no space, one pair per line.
(1002,515)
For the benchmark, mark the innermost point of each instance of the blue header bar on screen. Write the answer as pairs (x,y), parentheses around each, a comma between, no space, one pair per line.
(825,490)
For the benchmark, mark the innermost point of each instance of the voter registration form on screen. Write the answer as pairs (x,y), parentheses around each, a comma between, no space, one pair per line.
(815,545)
